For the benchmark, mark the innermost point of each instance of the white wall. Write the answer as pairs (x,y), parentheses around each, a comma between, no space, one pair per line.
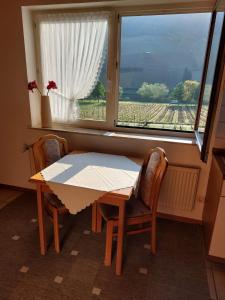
(15,115)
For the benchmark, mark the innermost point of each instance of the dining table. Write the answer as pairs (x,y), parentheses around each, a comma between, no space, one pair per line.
(81,179)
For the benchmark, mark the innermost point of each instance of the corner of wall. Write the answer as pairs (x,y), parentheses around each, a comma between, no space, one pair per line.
(29,41)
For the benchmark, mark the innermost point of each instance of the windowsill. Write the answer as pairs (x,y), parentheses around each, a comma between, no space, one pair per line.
(120,134)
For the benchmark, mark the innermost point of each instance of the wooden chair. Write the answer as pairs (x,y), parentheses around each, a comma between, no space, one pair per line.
(46,150)
(142,208)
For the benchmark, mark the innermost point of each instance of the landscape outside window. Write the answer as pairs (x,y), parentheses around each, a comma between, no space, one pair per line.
(161,64)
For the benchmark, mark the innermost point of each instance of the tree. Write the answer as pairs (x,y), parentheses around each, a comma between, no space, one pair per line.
(120,92)
(178,91)
(207,93)
(99,91)
(191,90)
(153,90)
(187,75)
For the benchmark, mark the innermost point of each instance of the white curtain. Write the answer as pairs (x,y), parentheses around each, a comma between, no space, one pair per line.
(72,51)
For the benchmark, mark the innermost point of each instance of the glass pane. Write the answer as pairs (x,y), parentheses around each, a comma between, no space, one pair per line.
(73,53)
(94,106)
(210,72)
(161,67)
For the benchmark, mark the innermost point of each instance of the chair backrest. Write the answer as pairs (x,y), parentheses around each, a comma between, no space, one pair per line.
(48,149)
(154,169)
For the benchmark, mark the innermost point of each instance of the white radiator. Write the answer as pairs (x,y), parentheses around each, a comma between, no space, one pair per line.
(179,188)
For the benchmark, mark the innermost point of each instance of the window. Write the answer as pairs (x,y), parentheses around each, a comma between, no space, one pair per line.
(211,83)
(73,53)
(161,64)
(153,78)
(93,107)
(207,89)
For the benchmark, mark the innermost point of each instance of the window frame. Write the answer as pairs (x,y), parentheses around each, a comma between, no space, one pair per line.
(95,124)
(114,38)
(204,144)
(160,131)
(204,73)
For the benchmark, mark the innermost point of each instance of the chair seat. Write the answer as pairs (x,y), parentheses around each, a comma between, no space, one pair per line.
(134,208)
(53,200)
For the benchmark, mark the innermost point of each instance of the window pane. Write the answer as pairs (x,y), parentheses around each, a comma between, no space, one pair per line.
(161,67)
(73,53)
(210,72)
(94,106)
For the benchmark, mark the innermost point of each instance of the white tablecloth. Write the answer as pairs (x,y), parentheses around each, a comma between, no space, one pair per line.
(80,179)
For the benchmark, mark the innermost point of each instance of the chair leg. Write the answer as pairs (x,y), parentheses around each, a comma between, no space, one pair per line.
(153,237)
(108,246)
(56,230)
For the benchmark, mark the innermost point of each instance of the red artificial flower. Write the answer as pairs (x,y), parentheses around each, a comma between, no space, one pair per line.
(32,85)
(51,85)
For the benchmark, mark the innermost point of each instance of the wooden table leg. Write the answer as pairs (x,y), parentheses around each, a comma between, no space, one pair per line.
(41,224)
(98,220)
(94,217)
(121,223)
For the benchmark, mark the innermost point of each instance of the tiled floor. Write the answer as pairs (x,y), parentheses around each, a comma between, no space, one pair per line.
(7,195)
(177,272)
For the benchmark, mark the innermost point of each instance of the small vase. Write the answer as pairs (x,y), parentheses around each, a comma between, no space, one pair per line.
(46,117)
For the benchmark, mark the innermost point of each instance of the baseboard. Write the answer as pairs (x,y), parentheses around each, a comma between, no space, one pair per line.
(216,259)
(179,218)
(16,188)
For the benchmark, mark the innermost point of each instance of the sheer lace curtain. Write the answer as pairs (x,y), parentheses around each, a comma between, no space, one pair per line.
(72,51)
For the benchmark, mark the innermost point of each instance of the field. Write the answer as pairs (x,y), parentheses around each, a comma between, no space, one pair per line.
(150,115)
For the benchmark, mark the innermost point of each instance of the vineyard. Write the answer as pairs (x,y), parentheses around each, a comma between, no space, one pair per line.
(150,115)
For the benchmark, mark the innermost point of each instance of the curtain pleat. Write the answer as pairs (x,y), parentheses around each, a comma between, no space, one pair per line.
(72,51)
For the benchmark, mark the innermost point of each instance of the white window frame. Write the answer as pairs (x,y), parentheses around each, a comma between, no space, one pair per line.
(113,63)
